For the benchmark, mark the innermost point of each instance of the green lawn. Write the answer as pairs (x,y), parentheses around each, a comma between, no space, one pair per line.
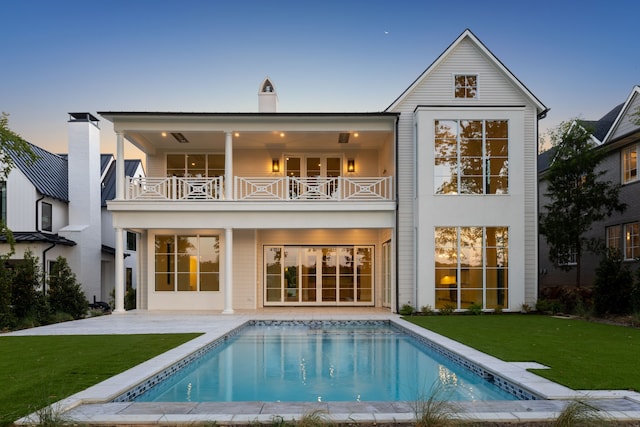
(581,354)
(38,370)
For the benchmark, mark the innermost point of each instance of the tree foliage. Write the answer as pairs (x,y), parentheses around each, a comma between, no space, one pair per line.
(577,193)
(65,293)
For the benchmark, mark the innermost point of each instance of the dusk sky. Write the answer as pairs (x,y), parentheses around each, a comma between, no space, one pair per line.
(580,58)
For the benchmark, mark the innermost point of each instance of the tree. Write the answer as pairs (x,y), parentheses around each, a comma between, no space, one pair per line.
(65,293)
(25,288)
(578,196)
(11,143)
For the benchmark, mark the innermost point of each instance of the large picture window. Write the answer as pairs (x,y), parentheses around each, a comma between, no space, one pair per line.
(471,157)
(187,263)
(471,267)
(310,274)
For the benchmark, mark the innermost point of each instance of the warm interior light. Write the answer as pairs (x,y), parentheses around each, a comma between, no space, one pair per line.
(237,134)
(282,134)
(448,280)
(356,134)
(275,165)
(351,165)
(163,134)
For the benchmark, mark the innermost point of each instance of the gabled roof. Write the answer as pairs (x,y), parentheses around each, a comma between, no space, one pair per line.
(624,111)
(601,127)
(48,173)
(109,180)
(467,34)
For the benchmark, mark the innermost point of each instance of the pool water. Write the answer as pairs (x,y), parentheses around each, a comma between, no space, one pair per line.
(335,363)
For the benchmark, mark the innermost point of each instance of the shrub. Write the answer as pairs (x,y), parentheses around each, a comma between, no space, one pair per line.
(613,286)
(25,288)
(7,318)
(406,310)
(427,310)
(447,309)
(130,299)
(475,309)
(65,294)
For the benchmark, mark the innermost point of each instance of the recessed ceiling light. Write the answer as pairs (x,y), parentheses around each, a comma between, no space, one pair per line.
(164,134)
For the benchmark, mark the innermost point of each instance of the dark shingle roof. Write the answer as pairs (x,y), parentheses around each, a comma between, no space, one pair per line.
(109,181)
(36,236)
(48,173)
(602,126)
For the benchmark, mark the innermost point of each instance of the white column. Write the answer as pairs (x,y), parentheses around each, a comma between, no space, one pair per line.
(119,294)
(120,166)
(228,271)
(228,166)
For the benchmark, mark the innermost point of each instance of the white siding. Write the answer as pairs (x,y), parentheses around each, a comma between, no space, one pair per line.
(627,122)
(245,261)
(437,90)
(21,202)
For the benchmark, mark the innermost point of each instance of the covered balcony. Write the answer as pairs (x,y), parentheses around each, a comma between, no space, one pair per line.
(272,157)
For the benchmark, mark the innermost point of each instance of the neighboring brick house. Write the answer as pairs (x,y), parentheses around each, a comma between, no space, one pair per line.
(619,136)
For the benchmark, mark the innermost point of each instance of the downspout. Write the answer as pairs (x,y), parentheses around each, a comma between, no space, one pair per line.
(44,267)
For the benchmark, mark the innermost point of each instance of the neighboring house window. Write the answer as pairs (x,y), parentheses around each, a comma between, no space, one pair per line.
(631,241)
(3,201)
(187,263)
(614,234)
(46,216)
(471,267)
(131,241)
(195,165)
(471,157)
(466,86)
(630,164)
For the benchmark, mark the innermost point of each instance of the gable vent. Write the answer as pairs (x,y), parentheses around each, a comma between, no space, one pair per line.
(180,137)
(343,138)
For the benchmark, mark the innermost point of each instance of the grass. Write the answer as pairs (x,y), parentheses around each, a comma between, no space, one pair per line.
(38,370)
(581,354)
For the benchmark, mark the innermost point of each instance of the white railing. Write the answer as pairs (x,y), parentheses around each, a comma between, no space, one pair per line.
(281,188)
(174,188)
(316,188)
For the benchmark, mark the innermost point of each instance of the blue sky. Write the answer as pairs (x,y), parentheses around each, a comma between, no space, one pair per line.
(579,58)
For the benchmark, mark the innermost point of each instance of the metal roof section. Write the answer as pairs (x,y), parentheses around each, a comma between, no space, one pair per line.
(109,180)
(38,237)
(48,173)
(541,108)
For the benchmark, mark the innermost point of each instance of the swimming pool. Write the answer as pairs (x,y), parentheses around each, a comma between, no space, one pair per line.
(317,362)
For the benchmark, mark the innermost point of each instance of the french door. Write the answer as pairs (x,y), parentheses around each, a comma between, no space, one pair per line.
(333,275)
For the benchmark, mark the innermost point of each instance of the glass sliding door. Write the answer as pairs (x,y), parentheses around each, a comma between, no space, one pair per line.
(341,275)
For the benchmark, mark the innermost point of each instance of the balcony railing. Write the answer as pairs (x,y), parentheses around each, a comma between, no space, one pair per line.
(174,188)
(281,188)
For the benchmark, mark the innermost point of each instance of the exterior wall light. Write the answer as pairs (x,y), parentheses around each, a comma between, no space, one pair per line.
(351,165)
(275,165)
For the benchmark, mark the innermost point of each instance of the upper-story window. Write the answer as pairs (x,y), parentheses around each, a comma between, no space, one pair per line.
(47,212)
(466,86)
(471,157)
(630,164)
(195,165)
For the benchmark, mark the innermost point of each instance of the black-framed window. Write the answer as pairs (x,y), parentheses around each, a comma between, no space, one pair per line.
(46,216)
(131,241)
(3,201)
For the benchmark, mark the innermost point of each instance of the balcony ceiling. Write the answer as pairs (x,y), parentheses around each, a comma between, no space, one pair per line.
(283,140)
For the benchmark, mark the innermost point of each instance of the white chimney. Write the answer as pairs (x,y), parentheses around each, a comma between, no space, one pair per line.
(85,202)
(267,97)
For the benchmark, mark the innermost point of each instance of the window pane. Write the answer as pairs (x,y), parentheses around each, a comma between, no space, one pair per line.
(497,129)
(209,282)
(164,281)
(632,241)
(188,281)
(176,164)
(215,165)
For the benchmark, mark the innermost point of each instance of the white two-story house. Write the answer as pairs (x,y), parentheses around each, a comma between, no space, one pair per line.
(429,202)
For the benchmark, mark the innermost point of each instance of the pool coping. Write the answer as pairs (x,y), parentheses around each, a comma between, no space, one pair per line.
(95,406)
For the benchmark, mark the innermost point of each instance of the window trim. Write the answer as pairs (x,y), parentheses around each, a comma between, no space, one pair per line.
(466,87)
(623,161)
